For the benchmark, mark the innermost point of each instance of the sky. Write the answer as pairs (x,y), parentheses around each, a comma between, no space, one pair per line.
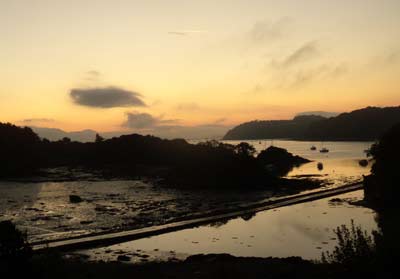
(151,66)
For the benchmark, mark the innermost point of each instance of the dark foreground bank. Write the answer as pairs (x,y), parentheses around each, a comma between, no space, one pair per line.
(197,266)
(174,163)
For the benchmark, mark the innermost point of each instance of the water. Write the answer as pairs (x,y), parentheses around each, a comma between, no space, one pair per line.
(340,165)
(44,210)
(299,230)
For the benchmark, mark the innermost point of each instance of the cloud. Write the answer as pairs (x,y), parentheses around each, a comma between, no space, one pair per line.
(219,121)
(106,97)
(140,120)
(185,32)
(301,67)
(137,120)
(304,53)
(388,58)
(187,106)
(146,123)
(35,120)
(93,75)
(306,76)
(266,31)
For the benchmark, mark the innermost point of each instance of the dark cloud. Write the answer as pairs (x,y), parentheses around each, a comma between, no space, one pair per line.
(107,97)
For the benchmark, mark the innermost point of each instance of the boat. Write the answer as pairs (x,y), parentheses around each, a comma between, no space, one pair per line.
(313,148)
(324,150)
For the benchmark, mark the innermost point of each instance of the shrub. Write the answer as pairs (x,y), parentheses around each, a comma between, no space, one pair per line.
(13,243)
(354,246)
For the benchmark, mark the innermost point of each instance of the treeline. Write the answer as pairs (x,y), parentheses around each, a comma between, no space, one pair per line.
(360,125)
(176,161)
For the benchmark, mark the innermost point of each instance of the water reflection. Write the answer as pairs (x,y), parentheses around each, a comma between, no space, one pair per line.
(300,230)
(339,166)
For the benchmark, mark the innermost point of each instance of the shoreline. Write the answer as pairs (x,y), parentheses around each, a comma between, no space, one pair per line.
(99,240)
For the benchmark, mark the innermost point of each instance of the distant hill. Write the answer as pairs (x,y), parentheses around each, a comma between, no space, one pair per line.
(55,134)
(212,131)
(272,129)
(363,124)
(87,135)
(326,114)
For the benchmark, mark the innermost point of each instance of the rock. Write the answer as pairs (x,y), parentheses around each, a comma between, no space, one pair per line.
(75,199)
(363,163)
(86,222)
(123,258)
(279,161)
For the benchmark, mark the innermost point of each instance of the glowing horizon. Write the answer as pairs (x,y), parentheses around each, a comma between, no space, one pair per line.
(193,63)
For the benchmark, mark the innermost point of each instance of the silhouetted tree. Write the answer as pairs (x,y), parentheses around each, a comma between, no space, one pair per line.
(245,149)
(66,140)
(99,138)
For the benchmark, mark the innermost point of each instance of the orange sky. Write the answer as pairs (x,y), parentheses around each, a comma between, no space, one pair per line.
(193,63)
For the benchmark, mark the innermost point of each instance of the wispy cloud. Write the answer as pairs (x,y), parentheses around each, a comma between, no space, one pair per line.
(37,120)
(267,31)
(185,32)
(305,76)
(388,58)
(187,106)
(93,75)
(305,53)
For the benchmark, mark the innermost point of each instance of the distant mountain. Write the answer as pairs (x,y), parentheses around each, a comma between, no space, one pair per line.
(326,114)
(212,131)
(272,129)
(55,134)
(363,124)
(87,135)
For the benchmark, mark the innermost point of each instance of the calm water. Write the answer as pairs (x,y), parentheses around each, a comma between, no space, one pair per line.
(299,230)
(340,165)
